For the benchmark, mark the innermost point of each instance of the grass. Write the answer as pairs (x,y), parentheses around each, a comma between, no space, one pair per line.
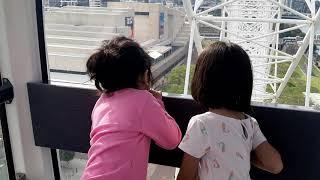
(315,81)
(175,79)
(292,93)
(316,71)
(296,86)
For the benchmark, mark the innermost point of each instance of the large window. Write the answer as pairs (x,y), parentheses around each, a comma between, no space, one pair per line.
(72,165)
(75,28)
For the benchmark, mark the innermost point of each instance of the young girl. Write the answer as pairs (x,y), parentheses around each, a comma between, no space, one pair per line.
(221,143)
(127,115)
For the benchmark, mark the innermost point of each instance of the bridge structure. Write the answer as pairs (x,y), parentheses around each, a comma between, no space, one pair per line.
(255,25)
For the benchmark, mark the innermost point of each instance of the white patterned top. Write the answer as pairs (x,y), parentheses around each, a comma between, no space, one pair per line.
(223,145)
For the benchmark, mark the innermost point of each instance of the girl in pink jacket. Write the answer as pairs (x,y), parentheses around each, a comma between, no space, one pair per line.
(127,116)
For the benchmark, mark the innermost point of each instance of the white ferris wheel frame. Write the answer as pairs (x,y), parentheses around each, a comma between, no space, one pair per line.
(260,39)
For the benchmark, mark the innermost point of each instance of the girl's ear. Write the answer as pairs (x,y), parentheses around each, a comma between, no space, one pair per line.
(144,81)
(146,78)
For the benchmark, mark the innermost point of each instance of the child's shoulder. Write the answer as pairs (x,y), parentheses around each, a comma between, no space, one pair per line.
(140,93)
(253,122)
(206,117)
(133,93)
(127,96)
(142,97)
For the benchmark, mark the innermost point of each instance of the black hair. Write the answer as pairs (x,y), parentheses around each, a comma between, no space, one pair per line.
(118,64)
(223,78)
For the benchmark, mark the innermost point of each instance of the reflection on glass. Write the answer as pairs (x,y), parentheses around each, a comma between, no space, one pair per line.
(72,165)
(3,162)
(75,28)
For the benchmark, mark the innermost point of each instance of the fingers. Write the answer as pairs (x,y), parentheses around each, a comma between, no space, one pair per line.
(156,94)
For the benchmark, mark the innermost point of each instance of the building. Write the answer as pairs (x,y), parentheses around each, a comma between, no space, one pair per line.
(73,32)
(94,3)
(45,3)
(300,6)
(178,2)
(60,3)
(98,3)
(156,1)
(163,23)
(317,40)
(145,1)
(288,3)
(74,2)
(53,3)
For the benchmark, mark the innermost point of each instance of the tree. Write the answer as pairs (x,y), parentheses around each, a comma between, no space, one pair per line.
(66,155)
(293,33)
(175,79)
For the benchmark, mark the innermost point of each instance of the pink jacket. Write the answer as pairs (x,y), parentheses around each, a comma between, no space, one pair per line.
(122,128)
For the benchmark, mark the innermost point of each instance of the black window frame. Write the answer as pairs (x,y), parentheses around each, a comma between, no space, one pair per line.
(6,139)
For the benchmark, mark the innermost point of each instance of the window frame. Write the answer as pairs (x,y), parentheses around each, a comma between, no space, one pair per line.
(45,76)
(45,73)
(6,139)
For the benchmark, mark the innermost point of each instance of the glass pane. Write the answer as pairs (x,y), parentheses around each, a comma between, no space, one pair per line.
(72,166)
(75,28)
(3,163)
(157,172)
(272,46)
(174,80)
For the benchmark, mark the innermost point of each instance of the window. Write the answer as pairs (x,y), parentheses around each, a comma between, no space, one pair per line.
(72,165)
(75,28)
(273,35)
(3,162)
(7,170)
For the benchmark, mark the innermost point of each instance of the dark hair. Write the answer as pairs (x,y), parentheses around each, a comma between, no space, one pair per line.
(223,78)
(118,64)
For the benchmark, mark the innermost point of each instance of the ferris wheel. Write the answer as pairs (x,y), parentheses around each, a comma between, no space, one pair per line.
(256,25)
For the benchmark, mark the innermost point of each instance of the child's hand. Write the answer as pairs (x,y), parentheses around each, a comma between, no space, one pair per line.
(156,94)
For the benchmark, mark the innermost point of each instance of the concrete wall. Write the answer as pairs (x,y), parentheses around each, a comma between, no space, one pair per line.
(142,28)
(146,18)
(147,26)
(101,17)
(73,33)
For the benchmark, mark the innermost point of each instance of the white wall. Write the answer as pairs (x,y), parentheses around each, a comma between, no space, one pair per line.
(20,62)
(142,24)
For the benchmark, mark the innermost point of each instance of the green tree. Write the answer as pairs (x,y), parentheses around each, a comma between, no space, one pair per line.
(293,33)
(293,93)
(66,155)
(175,79)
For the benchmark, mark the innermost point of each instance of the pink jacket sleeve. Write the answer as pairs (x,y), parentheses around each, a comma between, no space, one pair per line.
(159,125)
